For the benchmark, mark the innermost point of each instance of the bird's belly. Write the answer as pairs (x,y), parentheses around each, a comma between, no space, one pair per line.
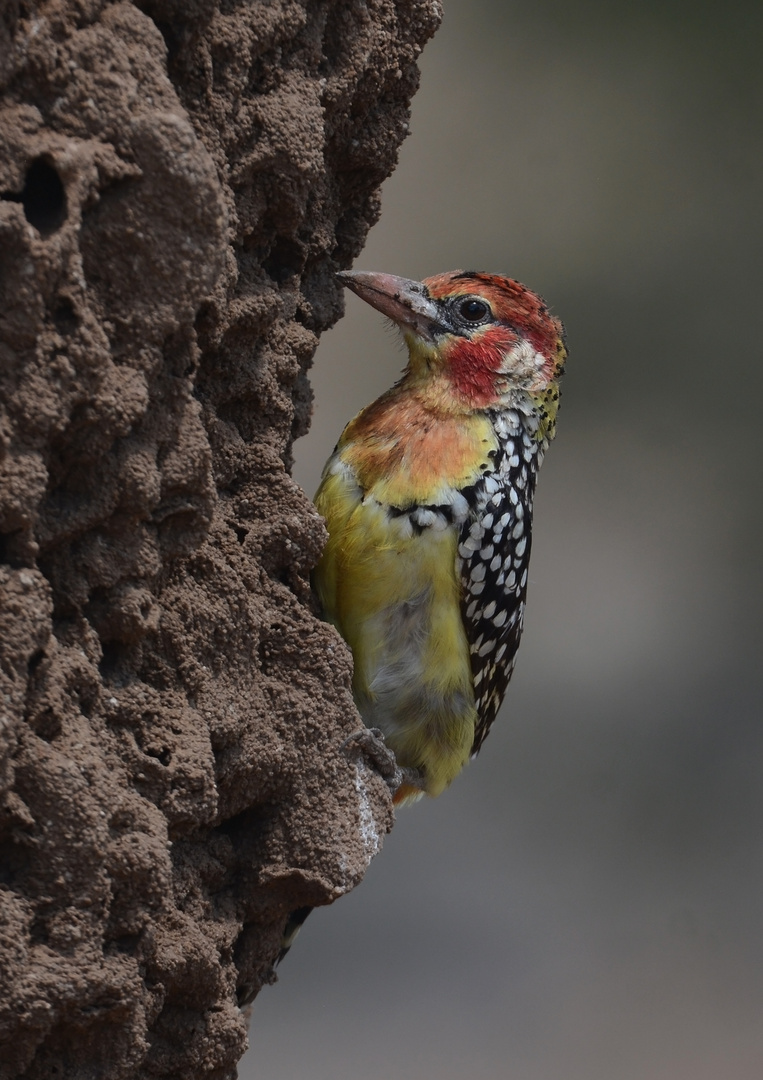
(412,668)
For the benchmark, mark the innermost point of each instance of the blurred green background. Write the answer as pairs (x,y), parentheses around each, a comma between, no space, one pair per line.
(585,902)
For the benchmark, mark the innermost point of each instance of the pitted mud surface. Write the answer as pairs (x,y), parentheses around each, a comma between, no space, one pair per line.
(178,184)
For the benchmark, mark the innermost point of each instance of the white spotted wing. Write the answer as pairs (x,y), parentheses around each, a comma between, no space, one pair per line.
(494,555)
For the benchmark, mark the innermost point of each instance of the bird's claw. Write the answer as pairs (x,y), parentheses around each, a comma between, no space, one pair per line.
(369,744)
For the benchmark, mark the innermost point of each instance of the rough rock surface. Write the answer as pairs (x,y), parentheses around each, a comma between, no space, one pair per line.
(178,183)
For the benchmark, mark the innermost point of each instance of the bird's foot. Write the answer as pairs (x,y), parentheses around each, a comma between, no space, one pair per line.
(369,744)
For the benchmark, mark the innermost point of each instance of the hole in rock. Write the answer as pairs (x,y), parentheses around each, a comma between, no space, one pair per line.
(64,315)
(44,197)
(285,260)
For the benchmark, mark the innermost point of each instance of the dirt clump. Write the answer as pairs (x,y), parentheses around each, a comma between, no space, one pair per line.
(178,185)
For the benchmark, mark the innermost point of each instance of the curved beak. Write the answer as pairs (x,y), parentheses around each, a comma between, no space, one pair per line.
(406,302)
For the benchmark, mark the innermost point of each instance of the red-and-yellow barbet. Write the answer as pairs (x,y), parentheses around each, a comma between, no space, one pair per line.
(428,501)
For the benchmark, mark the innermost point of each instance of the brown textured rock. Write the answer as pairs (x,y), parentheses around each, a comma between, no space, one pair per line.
(178,183)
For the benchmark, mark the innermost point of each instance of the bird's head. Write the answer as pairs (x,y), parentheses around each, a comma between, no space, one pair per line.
(476,341)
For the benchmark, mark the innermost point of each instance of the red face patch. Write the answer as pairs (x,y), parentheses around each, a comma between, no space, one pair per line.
(474,363)
(510,301)
(473,360)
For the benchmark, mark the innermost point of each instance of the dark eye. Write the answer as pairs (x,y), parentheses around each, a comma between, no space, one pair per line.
(472,310)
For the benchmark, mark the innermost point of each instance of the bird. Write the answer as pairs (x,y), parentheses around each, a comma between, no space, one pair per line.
(428,500)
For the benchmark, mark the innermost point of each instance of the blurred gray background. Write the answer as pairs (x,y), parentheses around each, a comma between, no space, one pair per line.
(585,902)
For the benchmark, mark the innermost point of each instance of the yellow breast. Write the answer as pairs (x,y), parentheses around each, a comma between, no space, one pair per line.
(392,589)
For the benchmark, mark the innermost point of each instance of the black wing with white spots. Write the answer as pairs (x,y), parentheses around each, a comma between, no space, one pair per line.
(494,555)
